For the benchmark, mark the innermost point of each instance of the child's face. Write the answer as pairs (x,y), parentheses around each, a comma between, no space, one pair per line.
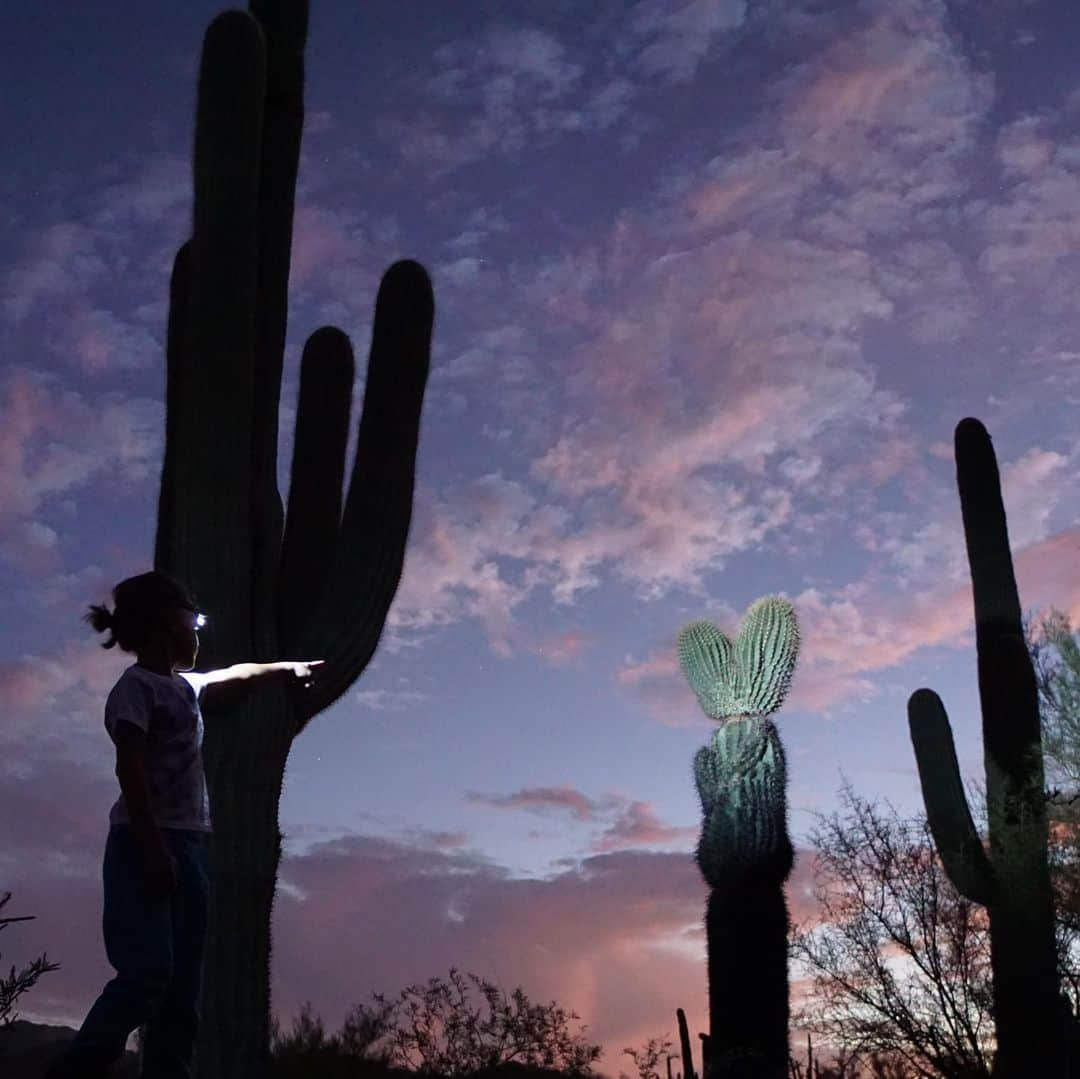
(183,636)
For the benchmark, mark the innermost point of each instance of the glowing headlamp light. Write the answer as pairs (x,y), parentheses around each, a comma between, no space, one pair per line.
(200,621)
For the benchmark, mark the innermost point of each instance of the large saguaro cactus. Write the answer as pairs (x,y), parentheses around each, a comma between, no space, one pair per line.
(1014,880)
(317,584)
(744,852)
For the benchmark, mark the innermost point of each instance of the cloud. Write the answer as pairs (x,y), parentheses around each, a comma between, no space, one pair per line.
(73,678)
(1033,487)
(732,349)
(516,86)
(454,567)
(112,252)
(638,826)
(560,649)
(60,263)
(396,700)
(1029,232)
(888,109)
(32,548)
(145,189)
(634,823)
(672,39)
(322,239)
(539,798)
(56,441)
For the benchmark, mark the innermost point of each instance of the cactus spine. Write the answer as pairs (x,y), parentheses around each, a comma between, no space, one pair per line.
(744,852)
(1013,881)
(317,583)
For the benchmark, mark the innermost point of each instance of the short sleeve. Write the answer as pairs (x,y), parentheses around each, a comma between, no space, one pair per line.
(131,700)
(196,679)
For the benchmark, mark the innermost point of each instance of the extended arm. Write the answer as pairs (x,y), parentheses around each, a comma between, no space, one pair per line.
(241,672)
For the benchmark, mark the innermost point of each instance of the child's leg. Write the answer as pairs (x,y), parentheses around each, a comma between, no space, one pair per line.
(138,943)
(170,1034)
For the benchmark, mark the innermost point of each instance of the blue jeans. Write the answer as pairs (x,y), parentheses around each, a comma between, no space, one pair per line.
(155,943)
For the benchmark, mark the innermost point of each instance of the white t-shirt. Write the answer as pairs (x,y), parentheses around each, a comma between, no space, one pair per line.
(167,708)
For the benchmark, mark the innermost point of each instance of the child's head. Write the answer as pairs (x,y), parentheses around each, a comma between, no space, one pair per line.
(150,606)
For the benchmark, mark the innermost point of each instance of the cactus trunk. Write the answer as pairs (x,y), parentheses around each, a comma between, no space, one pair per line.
(317,583)
(234,1033)
(748,976)
(1030,1019)
(744,853)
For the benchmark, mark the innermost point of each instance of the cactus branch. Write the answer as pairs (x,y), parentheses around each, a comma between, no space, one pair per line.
(318,469)
(375,522)
(947,809)
(684,1045)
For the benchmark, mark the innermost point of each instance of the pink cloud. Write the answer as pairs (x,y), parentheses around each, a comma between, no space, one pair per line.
(60,261)
(54,441)
(857,92)
(562,648)
(898,78)
(637,826)
(1030,229)
(580,807)
(321,237)
(33,683)
(660,685)
(23,685)
(715,201)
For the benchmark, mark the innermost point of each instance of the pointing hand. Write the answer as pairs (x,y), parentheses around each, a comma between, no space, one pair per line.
(301,668)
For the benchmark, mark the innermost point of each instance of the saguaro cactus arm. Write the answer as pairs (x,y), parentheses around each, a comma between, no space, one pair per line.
(321,437)
(1007,688)
(954,832)
(368,556)
(684,1045)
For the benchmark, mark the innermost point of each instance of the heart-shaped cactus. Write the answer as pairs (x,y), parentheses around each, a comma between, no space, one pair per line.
(750,677)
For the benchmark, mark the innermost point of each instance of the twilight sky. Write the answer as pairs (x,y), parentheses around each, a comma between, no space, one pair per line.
(714,282)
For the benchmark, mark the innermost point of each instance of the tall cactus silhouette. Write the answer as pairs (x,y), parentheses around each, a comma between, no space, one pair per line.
(319,583)
(684,1046)
(1013,881)
(744,852)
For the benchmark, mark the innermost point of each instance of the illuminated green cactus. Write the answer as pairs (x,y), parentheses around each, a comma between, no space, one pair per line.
(751,677)
(741,778)
(744,851)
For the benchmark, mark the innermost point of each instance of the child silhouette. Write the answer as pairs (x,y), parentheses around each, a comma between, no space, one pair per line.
(156,867)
